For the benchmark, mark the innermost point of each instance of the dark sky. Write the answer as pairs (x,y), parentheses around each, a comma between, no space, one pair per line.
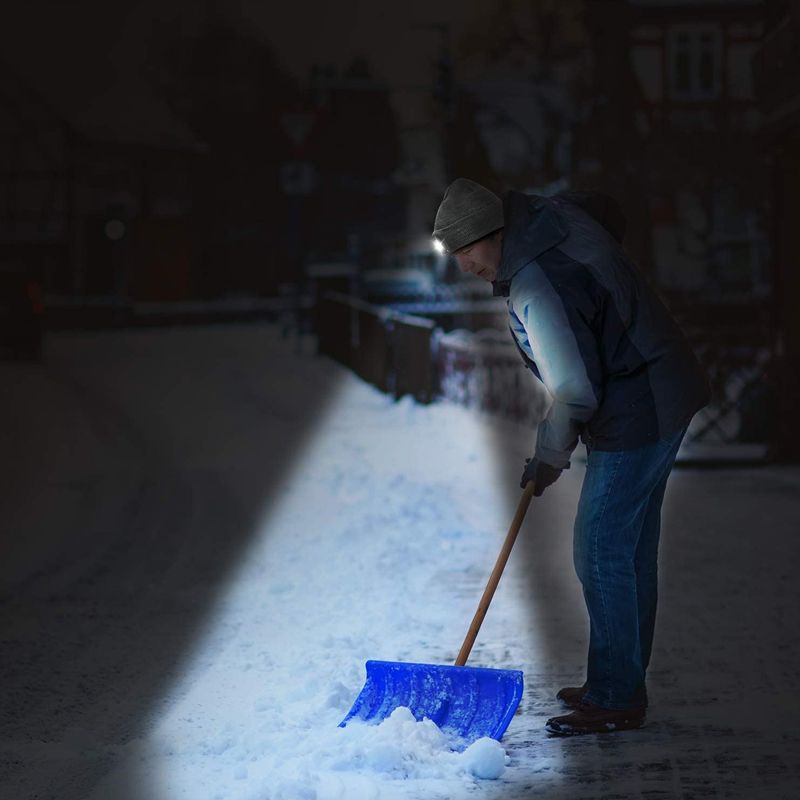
(300,32)
(384,32)
(81,49)
(390,35)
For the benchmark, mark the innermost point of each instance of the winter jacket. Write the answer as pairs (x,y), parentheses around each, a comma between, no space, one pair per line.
(619,369)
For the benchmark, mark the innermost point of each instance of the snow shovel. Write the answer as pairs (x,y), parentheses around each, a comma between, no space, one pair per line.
(465,702)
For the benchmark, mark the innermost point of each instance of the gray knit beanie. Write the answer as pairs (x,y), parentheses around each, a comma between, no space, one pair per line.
(468,211)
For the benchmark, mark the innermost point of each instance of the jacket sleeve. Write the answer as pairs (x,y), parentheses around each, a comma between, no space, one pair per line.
(564,347)
(526,359)
(520,338)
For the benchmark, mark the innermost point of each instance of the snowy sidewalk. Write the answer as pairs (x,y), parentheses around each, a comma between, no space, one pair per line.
(379,549)
(378,546)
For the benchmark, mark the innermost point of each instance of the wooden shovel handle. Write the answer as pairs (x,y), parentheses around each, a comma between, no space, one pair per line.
(494,578)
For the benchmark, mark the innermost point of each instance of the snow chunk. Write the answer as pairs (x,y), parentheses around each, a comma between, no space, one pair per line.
(485,758)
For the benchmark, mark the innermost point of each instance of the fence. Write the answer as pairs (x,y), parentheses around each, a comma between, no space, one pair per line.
(404,354)
(735,343)
(386,348)
(743,405)
(484,371)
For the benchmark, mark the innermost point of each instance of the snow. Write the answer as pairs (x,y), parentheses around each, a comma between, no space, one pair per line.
(139,454)
(403,747)
(391,505)
(485,758)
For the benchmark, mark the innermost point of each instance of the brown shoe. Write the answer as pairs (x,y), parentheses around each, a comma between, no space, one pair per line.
(570,696)
(590,718)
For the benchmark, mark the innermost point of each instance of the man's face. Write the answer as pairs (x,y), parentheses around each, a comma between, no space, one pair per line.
(481,258)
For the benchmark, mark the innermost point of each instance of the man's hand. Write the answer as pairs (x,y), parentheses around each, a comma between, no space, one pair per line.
(540,473)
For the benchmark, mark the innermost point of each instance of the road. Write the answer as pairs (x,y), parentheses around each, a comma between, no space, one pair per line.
(136,466)
(123,457)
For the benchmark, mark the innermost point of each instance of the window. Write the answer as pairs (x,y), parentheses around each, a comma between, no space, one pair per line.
(695,63)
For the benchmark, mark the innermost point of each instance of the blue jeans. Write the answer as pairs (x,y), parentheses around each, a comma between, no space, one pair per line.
(615,552)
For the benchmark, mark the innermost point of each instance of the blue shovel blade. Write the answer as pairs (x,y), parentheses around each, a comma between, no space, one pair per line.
(465,702)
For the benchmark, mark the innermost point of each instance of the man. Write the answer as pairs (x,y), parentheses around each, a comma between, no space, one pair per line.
(622,378)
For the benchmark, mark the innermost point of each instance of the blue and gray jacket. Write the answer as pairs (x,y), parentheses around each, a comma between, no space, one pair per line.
(588,324)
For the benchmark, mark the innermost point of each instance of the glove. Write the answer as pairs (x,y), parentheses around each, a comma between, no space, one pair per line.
(540,473)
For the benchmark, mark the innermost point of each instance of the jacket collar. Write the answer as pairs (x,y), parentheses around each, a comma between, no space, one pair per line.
(532,226)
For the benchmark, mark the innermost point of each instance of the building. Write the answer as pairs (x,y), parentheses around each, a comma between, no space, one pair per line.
(97,171)
(776,67)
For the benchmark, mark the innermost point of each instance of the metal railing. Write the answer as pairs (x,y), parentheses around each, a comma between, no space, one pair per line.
(404,354)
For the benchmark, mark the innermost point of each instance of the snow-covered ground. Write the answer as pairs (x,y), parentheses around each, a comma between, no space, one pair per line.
(387,519)
(351,527)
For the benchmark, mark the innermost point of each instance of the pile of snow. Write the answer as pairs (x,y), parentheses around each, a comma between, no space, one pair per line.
(405,748)
(268,755)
